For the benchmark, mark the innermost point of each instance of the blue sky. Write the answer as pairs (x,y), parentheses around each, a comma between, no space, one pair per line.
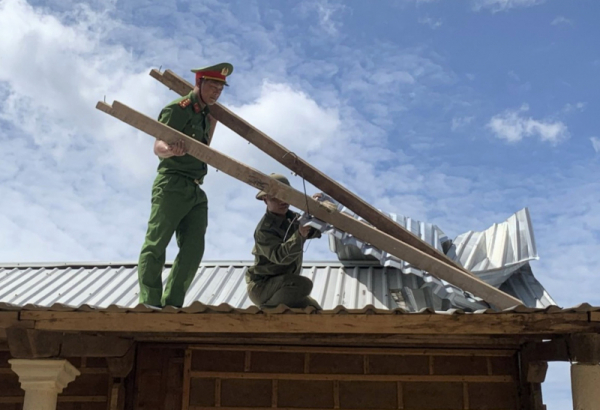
(458,113)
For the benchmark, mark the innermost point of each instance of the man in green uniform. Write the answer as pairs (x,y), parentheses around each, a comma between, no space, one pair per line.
(274,278)
(178,204)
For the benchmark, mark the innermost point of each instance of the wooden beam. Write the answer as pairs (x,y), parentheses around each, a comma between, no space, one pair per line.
(408,324)
(33,344)
(513,342)
(78,345)
(121,366)
(536,372)
(355,377)
(551,351)
(336,406)
(248,348)
(8,319)
(585,347)
(326,184)
(359,229)
(187,368)
(60,399)
(578,347)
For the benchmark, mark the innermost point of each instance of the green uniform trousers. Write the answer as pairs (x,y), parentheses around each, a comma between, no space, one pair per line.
(180,206)
(288,289)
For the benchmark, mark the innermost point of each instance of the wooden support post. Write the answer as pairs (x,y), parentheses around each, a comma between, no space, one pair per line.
(532,374)
(359,229)
(585,347)
(307,171)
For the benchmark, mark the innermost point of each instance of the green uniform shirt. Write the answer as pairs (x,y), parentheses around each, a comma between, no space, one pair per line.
(278,246)
(185,115)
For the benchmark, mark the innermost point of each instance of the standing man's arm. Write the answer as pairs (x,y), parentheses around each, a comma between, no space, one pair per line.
(175,118)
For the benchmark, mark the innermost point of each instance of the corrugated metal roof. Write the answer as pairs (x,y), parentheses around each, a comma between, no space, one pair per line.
(378,279)
(496,253)
(352,287)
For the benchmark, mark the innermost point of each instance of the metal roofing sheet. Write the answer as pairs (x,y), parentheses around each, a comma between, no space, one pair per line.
(352,287)
(494,254)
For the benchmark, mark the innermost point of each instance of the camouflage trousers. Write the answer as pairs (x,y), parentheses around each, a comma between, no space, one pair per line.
(290,290)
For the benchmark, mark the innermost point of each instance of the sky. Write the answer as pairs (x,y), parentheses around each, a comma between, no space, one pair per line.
(457,113)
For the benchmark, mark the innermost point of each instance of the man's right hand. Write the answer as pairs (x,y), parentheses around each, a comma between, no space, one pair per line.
(164,150)
(178,149)
(304,231)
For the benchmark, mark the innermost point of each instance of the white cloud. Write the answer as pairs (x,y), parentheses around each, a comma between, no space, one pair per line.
(502,5)
(514,75)
(461,122)
(327,12)
(432,23)
(580,106)
(82,180)
(595,143)
(513,126)
(561,20)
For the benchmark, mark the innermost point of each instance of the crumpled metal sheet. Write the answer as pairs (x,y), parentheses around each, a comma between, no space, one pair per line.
(349,248)
(499,251)
(492,255)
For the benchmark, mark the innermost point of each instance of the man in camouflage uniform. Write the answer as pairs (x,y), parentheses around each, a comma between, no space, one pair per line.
(179,205)
(274,278)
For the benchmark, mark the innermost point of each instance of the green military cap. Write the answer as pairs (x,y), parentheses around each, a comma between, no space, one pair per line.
(261,195)
(218,72)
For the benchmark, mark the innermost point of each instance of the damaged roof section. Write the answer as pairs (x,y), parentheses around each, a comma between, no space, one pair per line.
(499,251)
(364,276)
(499,256)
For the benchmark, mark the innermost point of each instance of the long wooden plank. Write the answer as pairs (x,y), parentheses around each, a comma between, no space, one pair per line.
(61,399)
(359,350)
(336,406)
(354,377)
(185,394)
(349,324)
(467,341)
(358,229)
(306,170)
